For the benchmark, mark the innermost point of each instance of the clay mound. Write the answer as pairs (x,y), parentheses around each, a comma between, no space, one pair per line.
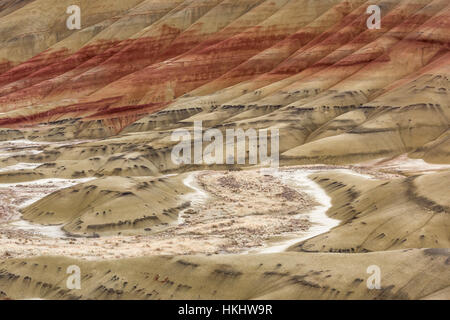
(338,92)
(22,40)
(437,151)
(111,205)
(384,215)
(289,275)
(397,122)
(109,96)
(242,53)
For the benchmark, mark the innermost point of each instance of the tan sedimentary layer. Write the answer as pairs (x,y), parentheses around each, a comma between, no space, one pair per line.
(406,274)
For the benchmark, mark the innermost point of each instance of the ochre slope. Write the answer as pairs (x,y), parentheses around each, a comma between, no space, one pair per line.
(289,275)
(111,205)
(97,43)
(112,94)
(256,64)
(40,24)
(384,215)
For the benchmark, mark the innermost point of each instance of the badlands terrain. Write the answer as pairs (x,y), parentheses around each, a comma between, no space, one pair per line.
(87,177)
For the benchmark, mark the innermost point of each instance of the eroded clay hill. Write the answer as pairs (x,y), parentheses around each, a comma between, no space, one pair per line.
(337,91)
(270,276)
(101,103)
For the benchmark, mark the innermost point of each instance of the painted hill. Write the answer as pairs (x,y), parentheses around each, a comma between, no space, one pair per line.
(246,64)
(101,103)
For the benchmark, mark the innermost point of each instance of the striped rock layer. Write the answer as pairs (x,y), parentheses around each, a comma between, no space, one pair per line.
(337,90)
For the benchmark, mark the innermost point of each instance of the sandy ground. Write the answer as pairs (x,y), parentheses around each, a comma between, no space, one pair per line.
(317,216)
(404,164)
(222,221)
(231,212)
(14,196)
(29,147)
